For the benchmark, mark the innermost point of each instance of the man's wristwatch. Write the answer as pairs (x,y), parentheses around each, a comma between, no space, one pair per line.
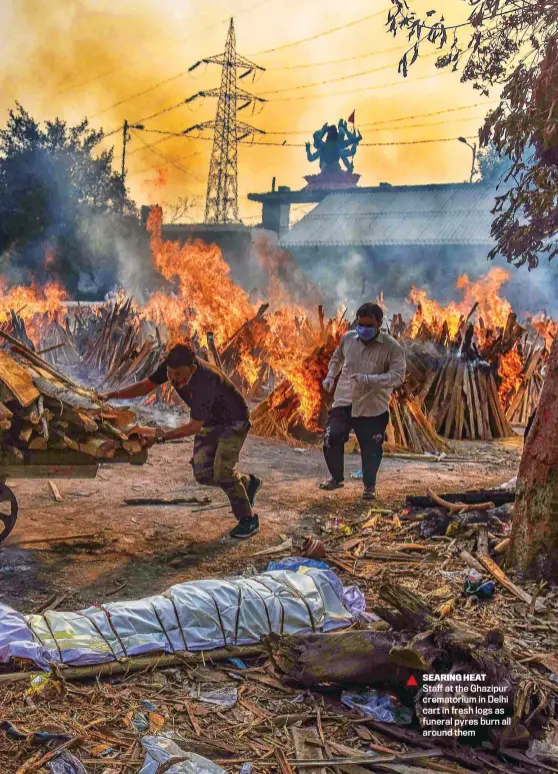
(161,440)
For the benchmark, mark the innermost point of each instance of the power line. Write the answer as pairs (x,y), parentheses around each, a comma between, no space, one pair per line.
(433,113)
(171,135)
(339,78)
(168,159)
(337,61)
(139,94)
(148,169)
(321,34)
(148,118)
(363,88)
(172,77)
(365,144)
(368,125)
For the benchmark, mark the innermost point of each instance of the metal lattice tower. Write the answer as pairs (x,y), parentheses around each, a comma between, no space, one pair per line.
(221,204)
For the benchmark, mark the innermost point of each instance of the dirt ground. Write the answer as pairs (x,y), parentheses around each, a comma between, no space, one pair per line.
(136,551)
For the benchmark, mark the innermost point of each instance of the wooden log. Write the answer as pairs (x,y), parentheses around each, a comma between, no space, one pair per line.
(357,657)
(37,444)
(459,507)
(143,663)
(494,407)
(503,579)
(17,379)
(98,447)
(478,420)
(497,496)
(55,491)
(483,398)
(25,434)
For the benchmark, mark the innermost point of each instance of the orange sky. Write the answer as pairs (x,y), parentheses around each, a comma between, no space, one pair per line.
(76,58)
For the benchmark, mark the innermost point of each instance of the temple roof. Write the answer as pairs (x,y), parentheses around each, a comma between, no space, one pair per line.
(445,214)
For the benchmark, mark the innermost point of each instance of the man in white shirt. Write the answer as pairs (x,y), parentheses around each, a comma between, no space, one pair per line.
(372,365)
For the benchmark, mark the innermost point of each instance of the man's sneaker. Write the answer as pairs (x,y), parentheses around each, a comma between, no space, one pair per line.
(245,528)
(331,484)
(369,493)
(253,488)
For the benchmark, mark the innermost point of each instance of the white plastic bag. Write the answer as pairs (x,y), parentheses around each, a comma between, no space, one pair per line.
(159,750)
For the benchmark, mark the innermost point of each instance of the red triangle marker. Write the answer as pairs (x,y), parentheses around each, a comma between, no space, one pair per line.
(411,682)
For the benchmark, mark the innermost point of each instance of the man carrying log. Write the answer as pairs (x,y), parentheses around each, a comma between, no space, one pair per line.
(219,420)
(371,364)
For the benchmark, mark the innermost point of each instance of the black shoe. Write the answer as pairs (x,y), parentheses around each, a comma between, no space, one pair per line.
(253,488)
(331,484)
(245,528)
(369,493)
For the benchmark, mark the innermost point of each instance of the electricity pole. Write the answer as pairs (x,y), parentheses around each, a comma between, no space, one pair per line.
(474,149)
(221,203)
(125,140)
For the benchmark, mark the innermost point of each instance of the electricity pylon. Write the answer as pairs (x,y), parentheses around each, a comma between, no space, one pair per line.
(221,203)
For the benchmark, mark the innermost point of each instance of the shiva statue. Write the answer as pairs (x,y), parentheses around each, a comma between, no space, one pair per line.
(340,144)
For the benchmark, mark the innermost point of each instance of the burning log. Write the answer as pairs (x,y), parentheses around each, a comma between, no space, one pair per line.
(15,326)
(244,350)
(522,382)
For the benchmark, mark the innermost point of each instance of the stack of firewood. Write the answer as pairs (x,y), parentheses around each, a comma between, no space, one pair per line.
(463,401)
(57,343)
(410,429)
(455,377)
(47,419)
(523,402)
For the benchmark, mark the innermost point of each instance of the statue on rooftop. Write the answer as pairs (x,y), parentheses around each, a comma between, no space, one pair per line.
(340,144)
(333,145)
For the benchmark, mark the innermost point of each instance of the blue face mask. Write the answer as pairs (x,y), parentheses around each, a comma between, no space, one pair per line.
(366,333)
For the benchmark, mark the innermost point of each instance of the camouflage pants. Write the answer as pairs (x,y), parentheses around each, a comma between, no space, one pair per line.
(216,453)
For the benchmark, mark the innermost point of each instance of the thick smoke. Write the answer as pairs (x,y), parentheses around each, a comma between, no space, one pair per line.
(347,277)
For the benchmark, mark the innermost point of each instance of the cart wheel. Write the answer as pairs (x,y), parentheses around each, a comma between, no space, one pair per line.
(8,511)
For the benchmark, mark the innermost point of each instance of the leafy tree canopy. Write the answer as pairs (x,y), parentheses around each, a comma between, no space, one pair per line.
(510,46)
(59,193)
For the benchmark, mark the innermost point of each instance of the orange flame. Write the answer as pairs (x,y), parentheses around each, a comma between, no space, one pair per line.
(484,292)
(205,299)
(547,329)
(510,370)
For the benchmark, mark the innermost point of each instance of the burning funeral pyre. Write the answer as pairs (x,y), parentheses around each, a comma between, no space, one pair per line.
(472,370)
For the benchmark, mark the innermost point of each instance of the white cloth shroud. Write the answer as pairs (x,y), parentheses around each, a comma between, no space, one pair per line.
(194,616)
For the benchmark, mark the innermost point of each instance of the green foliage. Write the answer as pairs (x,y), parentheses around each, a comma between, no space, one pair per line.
(54,184)
(508,45)
(493,167)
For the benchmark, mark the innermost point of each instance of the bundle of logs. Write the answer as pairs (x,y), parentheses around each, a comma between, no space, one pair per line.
(451,386)
(47,419)
(522,401)
(454,377)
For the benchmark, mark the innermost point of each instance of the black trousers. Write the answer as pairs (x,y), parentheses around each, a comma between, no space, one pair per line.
(370,433)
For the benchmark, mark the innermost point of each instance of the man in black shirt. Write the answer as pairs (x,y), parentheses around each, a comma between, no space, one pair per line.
(219,420)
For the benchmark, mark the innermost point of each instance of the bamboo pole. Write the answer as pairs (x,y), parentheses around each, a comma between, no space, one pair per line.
(141,663)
